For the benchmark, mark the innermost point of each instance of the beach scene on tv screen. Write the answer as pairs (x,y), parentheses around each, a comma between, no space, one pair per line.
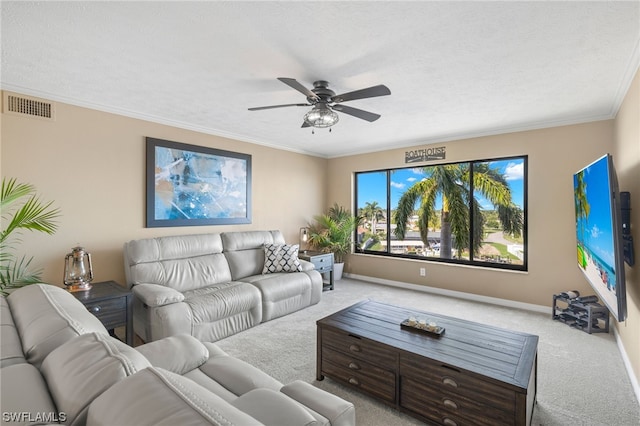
(594,229)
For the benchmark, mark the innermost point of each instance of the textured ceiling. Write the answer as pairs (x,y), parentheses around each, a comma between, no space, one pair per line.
(455,69)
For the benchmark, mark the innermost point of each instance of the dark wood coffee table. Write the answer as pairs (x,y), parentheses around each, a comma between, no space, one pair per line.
(471,374)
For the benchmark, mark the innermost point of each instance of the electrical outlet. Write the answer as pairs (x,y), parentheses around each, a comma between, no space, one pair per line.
(423,272)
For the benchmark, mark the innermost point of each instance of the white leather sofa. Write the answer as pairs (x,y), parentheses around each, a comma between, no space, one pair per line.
(58,364)
(211,286)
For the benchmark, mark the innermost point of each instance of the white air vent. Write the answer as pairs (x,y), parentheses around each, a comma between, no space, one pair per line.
(27,106)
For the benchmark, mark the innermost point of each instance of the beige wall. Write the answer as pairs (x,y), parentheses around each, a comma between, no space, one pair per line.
(92,164)
(627,161)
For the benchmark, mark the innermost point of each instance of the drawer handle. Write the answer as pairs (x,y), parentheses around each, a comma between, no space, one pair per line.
(354,348)
(449,382)
(354,366)
(450,404)
(447,421)
(354,381)
(95,309)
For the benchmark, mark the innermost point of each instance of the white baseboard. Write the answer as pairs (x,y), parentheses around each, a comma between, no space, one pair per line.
(452,293)
(501,302)
(627,365)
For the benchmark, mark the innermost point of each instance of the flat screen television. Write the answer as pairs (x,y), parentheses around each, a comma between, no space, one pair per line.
(599,233)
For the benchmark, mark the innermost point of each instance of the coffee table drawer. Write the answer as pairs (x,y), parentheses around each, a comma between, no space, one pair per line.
(359,348)
(440,376)
(367,377)
(449,408)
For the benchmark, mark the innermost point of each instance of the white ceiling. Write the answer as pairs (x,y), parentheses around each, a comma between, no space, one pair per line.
(455,69)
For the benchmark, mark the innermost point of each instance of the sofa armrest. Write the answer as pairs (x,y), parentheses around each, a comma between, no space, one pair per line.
(337,410)
(154,295)
(178,354)
(273,408)
(306,265)
(234,374)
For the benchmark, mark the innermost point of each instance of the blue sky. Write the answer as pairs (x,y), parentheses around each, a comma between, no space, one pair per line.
(371,186)
(598,228)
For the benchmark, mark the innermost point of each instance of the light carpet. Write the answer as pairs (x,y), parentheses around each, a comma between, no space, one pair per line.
(581,377)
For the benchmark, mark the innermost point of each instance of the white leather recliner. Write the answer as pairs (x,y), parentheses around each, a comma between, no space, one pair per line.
(59,364)
(211,286)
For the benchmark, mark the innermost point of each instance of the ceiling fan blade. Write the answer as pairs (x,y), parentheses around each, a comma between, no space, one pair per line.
(293,83)
(369,92)
(359,113)
(277,106)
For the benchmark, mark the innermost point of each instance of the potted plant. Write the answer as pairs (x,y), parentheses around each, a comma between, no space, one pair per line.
(21,209)
(333,233)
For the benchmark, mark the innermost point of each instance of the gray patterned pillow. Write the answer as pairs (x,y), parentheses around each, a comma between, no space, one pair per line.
(281,258)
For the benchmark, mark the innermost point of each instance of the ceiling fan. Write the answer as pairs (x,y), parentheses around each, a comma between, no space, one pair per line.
(325,102)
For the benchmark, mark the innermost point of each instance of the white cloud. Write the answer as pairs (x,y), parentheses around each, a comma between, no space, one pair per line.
(595,232)
(412,179)
(397,185)
(514,171)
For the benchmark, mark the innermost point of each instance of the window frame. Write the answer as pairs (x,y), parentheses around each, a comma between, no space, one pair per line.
(388,208)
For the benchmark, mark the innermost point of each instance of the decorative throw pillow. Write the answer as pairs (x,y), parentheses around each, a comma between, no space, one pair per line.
(281,258)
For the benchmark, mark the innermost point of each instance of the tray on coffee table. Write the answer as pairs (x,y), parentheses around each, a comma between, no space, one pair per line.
(437,331)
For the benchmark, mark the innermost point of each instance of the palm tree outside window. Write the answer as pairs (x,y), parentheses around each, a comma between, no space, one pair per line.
(468,212)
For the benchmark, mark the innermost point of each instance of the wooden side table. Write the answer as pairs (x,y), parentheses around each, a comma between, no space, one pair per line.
(323,263)
(111,304)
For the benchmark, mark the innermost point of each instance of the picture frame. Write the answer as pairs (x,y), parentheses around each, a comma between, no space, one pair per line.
(189,185)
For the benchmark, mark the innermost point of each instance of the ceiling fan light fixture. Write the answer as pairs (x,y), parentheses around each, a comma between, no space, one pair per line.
(321,116)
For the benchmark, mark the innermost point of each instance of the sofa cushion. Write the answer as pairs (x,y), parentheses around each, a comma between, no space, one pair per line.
(10,345)
(157,397)
(283,293)
(221,310)
(47,316)
(83,368)
(182,262)
(24,397)
(245,252)
(184,274)
(237,241)
(219,301)
(234,374)
(172,247)
(281,258)
(179,354)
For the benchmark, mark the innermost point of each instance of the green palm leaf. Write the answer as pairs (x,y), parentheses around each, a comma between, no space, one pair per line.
(453,182)
(19,215)
(333,231)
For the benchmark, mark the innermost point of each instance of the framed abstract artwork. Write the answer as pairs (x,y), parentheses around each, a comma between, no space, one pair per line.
(190,185)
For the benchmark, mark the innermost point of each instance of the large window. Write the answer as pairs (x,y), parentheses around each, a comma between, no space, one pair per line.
(469,212)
